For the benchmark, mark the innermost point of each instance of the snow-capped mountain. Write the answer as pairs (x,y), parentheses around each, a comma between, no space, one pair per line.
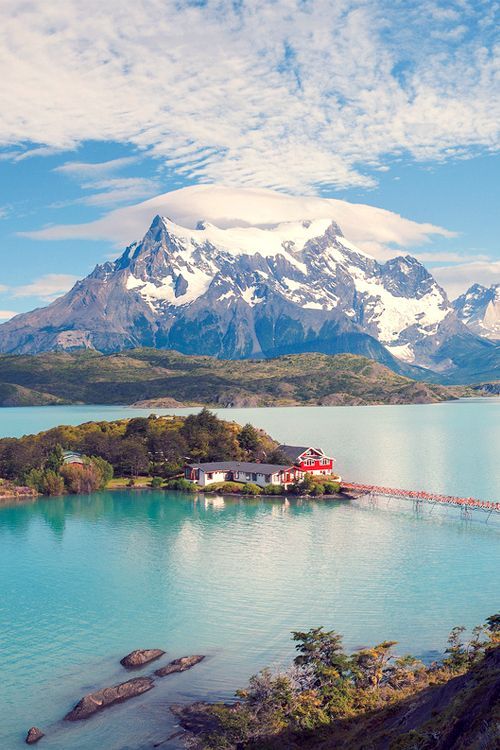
(250,292)
(479,309)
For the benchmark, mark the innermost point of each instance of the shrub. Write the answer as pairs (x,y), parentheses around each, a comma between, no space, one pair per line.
(156,482)
(229,487)
(274,489)
(316,490)
(81,479)
(251,489)
(104,468)
(331,488)
(182,485)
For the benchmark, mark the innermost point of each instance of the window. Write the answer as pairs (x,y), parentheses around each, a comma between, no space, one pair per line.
(310,462)
(325,461)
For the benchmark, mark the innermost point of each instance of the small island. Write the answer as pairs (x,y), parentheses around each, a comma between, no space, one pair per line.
(191,454)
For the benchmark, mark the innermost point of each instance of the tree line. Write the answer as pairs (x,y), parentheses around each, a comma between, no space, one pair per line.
(152,446)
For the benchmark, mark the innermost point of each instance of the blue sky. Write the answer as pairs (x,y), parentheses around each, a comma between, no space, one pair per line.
(390,104)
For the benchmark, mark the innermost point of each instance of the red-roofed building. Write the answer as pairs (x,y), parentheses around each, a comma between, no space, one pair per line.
(312,460)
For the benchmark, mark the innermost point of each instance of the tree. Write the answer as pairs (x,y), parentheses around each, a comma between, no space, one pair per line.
(457,657)
(134,459)
(81,479)
(322,652)
(370,664)
(53,483)
(55,458)
(249,438)
(104,468)
(493,629)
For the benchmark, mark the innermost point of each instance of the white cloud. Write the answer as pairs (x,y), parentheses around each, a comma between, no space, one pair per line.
(375,230)
(7,314)
(458,278)
(95,169)
(291,94)
(47,287)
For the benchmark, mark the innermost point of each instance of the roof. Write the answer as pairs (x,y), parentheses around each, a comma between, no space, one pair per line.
(72,457)
(294,451)
(240,466)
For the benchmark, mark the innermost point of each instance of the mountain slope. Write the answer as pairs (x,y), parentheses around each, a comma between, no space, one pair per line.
(156,378)
(479,309)
(250,292)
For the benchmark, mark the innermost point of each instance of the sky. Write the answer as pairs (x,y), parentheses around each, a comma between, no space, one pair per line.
(106,107)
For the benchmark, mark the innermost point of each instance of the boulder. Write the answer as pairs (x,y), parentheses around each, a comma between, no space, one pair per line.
(141,656)
(179,665)
(34,734)
(94,702)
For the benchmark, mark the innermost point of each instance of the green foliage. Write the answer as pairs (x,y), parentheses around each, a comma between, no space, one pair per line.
(457,658)
(55,459)
(331,488)
(248,438)
(156,482)
(280,709)
(140,446)
(183,485)
(251,489)
(45,481)
(128,376)
(229,488)
(81,479)
(274,489)
(104,468)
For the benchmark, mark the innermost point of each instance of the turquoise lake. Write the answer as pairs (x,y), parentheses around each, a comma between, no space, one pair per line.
(84,580)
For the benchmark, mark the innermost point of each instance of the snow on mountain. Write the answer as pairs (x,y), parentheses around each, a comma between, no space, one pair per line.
(246,292)
(479,309)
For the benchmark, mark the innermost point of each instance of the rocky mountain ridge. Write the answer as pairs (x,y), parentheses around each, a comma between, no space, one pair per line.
(479,309)
(251,292)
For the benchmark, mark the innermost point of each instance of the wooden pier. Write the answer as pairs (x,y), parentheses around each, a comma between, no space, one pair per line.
(466,504)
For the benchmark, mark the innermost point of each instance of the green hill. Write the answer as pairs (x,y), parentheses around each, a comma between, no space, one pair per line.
(156,378)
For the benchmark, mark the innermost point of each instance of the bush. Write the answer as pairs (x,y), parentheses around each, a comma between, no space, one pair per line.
(104,468)
(81,479)
(274,489)
(251,489)
(156,482)
(181,485)
(227,487)
(331,488)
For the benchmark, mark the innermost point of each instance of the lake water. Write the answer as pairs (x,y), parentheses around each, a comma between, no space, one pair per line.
(84,580)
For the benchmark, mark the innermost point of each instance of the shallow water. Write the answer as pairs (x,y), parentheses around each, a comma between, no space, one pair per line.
(84,580)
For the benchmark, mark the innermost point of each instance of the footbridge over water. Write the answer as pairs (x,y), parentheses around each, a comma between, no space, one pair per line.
(466,504)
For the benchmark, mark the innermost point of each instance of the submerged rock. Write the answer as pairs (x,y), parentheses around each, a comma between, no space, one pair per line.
(140,657)
(94,702)
(34,734)
(179,665)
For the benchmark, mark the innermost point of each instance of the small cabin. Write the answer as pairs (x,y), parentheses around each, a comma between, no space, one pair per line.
(71,457)
(307,459)
(204,474)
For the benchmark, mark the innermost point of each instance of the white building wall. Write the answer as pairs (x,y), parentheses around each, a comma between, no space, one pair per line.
(212,477)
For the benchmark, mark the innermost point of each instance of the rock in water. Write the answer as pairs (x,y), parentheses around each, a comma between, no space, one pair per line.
(140,657)
(179,665)
(94,702)
(34,735)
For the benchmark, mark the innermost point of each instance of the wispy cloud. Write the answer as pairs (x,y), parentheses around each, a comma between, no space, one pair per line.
(457,278)
(46,288)
(7,314)
(104,188)
(95,169)
(292,94)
